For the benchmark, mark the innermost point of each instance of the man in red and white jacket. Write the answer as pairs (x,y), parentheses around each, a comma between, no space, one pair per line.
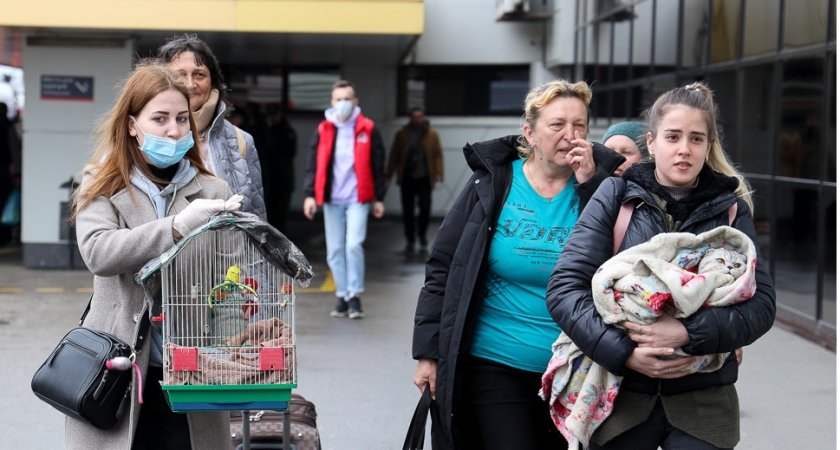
(345,176)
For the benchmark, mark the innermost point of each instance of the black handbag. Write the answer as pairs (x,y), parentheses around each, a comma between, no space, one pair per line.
(77,380)
(416,435)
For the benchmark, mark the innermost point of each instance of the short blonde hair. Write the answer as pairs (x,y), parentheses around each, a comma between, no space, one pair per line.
(541,96)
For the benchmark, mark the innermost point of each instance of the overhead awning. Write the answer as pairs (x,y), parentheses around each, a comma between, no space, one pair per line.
(391,17)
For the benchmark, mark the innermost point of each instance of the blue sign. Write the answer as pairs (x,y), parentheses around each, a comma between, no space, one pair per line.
(66,87)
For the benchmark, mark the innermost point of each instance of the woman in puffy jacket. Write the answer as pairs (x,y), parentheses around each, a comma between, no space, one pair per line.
(227,151)
(689,186)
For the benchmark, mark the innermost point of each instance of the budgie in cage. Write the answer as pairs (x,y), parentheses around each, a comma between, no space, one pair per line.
(231,304)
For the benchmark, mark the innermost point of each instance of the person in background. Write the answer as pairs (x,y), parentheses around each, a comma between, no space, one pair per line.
(144,188)
(239,119)
(482,333)
(688,186)
(345,175)
(628,139)
(11,176)
(279,175)
(9,97)
(227,151)
(416,158)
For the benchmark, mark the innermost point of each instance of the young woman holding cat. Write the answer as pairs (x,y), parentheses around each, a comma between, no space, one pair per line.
(688,186)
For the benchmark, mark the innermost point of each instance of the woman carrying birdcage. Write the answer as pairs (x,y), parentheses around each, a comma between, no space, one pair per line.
(227,315)
(144,189)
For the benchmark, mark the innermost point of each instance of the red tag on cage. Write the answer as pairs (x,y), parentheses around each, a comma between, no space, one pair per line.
(271,358)
(185,359)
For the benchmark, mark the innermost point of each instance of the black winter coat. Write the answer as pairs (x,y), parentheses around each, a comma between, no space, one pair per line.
(710,330)
(447,305)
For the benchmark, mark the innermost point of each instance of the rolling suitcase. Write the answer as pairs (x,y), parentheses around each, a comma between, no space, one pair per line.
(266,427)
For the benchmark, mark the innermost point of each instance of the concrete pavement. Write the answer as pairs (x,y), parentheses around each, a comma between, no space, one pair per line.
(358,373)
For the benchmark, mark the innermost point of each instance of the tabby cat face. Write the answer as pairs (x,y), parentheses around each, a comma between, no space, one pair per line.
(725,261)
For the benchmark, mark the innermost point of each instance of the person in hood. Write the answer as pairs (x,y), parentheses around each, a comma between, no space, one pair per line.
(627,139)
(416,158)
(144,188)
(345,176)
(482,333)
(688,186)
(226,150)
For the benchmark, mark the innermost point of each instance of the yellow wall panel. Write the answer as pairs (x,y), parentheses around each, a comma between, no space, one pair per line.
(280,16)
(122,14)
(336,16)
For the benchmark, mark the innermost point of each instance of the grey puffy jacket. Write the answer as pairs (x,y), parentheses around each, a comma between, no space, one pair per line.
(243,175)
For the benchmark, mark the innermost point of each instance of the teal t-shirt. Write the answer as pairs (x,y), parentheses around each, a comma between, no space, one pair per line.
(514,327)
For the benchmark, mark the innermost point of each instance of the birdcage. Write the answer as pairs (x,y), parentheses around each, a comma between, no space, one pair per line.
(226,313)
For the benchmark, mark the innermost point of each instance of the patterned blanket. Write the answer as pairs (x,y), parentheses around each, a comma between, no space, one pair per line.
(237,362)
(673,273)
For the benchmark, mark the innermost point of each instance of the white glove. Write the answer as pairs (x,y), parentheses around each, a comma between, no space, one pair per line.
(198,212)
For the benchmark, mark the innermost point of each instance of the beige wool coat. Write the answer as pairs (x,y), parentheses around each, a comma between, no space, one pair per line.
(116,237)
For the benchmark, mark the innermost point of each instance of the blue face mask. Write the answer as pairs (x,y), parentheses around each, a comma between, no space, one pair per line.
(163,152)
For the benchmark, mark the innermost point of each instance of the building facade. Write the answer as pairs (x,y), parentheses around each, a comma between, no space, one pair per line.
(772,65)
(469,63)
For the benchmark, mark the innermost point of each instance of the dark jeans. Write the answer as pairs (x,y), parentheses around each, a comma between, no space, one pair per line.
(158,428)
(653,433)
(416,189)
(502,411)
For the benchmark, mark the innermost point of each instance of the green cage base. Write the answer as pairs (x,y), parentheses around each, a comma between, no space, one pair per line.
(228,397)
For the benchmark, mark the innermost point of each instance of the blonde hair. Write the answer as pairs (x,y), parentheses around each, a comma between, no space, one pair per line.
(542,95)
(117,152)
(698,96)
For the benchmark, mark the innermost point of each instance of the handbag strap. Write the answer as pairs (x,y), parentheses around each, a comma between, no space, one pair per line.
(143,328)
(416,435)
(86,311)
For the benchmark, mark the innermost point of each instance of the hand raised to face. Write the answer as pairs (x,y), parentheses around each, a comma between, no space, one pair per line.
(580,158)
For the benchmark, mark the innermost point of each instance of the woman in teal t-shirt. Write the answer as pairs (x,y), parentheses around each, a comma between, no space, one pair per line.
(482,333)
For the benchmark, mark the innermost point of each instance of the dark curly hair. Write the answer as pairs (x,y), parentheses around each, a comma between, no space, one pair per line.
(203,56)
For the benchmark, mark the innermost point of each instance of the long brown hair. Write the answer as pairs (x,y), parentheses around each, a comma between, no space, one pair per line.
(698,96)
(117,152)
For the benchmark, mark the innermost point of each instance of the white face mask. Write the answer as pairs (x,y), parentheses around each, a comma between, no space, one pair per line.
(343,109)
